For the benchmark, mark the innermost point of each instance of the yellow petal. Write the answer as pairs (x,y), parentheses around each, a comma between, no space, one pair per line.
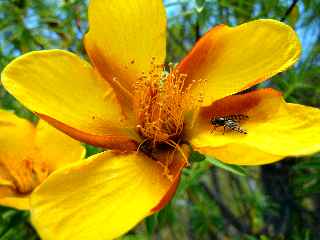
(232,59)
(56,148)
(240,154)
(16,136)
(10,198)
(60,85)
(274,127)
(124,37)
(103,196)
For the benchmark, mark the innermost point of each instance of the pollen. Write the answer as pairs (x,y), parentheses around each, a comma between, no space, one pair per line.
(161,102)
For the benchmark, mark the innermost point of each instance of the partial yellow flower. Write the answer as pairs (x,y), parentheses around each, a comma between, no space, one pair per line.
(127,102)
(28,155)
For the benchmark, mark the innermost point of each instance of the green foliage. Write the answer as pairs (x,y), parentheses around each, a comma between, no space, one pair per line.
(228,167)
(278,201)
(307,176)
(14,225)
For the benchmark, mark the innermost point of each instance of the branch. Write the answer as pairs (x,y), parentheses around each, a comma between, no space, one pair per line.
(289,10)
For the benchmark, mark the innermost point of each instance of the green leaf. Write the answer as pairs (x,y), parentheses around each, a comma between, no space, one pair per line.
(315,164)
(91,150)
(228,167)
(151,223)
(196,156)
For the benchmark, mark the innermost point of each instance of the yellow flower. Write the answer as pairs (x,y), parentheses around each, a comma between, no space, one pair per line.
(125,101)
(28,155)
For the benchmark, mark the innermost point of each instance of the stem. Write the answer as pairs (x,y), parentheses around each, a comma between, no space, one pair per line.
(289,10)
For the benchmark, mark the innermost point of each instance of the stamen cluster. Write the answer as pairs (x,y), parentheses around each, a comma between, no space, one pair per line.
(161,103)
(27,174)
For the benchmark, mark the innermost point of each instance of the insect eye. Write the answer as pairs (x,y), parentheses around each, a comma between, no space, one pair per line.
(220,120)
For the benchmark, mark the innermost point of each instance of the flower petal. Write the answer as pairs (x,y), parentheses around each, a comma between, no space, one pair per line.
(9,198)
(124,37)
(240,154)
(274,127)
(232,59)
(16,137)
(104,196)
(60,85)
(56,148)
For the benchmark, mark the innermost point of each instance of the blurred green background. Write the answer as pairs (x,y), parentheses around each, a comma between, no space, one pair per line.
(277,201)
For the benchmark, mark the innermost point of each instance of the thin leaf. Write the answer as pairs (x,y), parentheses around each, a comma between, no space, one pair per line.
(196,156)
(228,167)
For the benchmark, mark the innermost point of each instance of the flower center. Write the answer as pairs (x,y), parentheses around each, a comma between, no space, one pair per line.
(161,104)
(26,174)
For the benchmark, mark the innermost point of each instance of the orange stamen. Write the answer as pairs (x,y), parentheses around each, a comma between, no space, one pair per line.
(161,101)
(27,173)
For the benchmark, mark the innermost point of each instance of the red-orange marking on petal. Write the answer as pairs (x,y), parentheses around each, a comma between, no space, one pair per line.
(110,142)
(168,196)
(198,53)
(236,104)
(174,169)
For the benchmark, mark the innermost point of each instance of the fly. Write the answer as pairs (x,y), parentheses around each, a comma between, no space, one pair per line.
(231,122)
